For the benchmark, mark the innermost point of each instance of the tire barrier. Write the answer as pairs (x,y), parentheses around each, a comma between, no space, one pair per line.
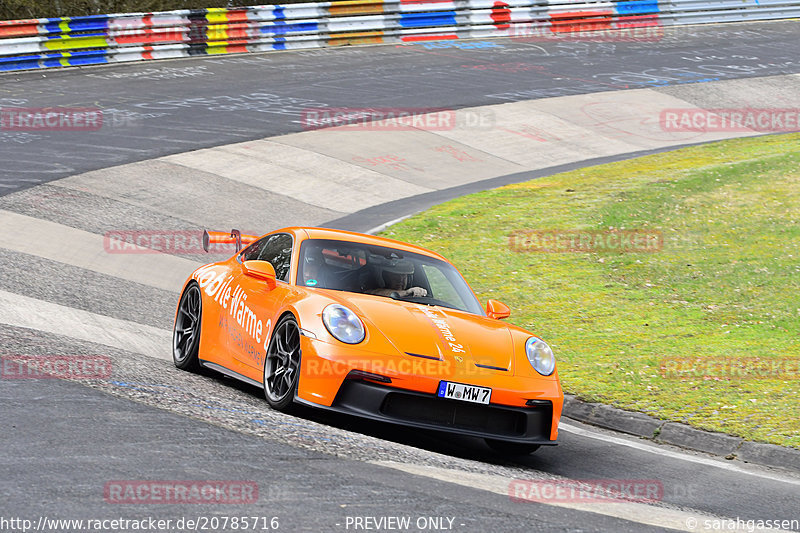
(99,39)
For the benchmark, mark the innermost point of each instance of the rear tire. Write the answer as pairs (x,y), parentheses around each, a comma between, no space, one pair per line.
(186,333)
(511,448)
(282,364)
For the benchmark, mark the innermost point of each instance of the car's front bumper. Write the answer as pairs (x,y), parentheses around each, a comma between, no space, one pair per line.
(523,409)
(530,425)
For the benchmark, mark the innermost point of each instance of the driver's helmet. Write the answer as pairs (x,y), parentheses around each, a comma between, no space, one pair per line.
(313,262)
(397,274)
(314,255)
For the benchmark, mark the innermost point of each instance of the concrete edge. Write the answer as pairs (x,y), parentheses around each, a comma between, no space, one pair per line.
(374,219)
(682,435)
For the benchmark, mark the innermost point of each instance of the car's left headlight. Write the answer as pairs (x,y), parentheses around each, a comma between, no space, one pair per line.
(540,355)
(343,324)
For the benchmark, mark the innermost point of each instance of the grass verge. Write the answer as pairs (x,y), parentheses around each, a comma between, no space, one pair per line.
(704,331)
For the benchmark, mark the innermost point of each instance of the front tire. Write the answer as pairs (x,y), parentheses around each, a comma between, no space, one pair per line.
(504,447)
(282,364)
(186,333)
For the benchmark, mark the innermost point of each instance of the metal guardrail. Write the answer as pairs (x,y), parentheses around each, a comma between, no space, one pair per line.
(57,42)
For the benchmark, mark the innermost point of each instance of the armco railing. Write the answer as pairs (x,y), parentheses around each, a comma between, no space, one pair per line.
(57,42)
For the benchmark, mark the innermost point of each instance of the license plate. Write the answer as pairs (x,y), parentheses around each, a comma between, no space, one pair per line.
(466,393)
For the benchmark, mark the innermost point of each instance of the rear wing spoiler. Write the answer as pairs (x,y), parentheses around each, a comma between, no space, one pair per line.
(221,237)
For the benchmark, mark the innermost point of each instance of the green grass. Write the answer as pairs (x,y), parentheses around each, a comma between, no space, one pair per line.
(724,287)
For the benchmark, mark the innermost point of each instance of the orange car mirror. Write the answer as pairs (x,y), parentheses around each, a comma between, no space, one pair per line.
(497,310)
(262,270)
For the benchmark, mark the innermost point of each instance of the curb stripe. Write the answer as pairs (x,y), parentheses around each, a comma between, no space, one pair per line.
(25,312)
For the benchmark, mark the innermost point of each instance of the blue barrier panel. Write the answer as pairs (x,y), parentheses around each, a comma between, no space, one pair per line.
(281,28)
(636,7)
(423,20)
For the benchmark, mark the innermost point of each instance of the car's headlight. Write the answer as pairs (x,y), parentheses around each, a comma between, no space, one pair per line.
(540,355)
(343,324)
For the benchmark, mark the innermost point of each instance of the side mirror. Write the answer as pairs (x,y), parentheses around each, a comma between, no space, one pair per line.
(262,270)
(497,310)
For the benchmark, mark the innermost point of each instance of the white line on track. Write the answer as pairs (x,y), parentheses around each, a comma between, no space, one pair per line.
(385,225)
(83,249)
(25,312)
(666,452)
(16,181)
(640,513)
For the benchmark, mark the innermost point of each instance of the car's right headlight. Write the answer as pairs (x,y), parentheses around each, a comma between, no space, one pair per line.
(343,324)
(540,355)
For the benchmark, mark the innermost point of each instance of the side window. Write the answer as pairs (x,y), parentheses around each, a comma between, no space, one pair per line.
(277,249)
(254,250)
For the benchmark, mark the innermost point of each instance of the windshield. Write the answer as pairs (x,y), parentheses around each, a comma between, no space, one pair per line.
(383,271)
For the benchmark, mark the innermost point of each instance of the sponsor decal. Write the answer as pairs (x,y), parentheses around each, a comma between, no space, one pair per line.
(443,329)
(217,285)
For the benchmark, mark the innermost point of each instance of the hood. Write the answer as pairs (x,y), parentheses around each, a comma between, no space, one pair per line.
(438,332)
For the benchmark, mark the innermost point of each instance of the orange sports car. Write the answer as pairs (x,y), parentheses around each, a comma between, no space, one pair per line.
(371,327)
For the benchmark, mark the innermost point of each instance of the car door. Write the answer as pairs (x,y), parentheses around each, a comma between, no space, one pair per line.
(255,306)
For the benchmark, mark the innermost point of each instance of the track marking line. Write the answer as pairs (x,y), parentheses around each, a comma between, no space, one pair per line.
(25,312)
(640,513)
(666,452)
(83,249)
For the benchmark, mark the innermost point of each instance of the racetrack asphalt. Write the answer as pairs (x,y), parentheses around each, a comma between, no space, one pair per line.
(69,439)
(158,108)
